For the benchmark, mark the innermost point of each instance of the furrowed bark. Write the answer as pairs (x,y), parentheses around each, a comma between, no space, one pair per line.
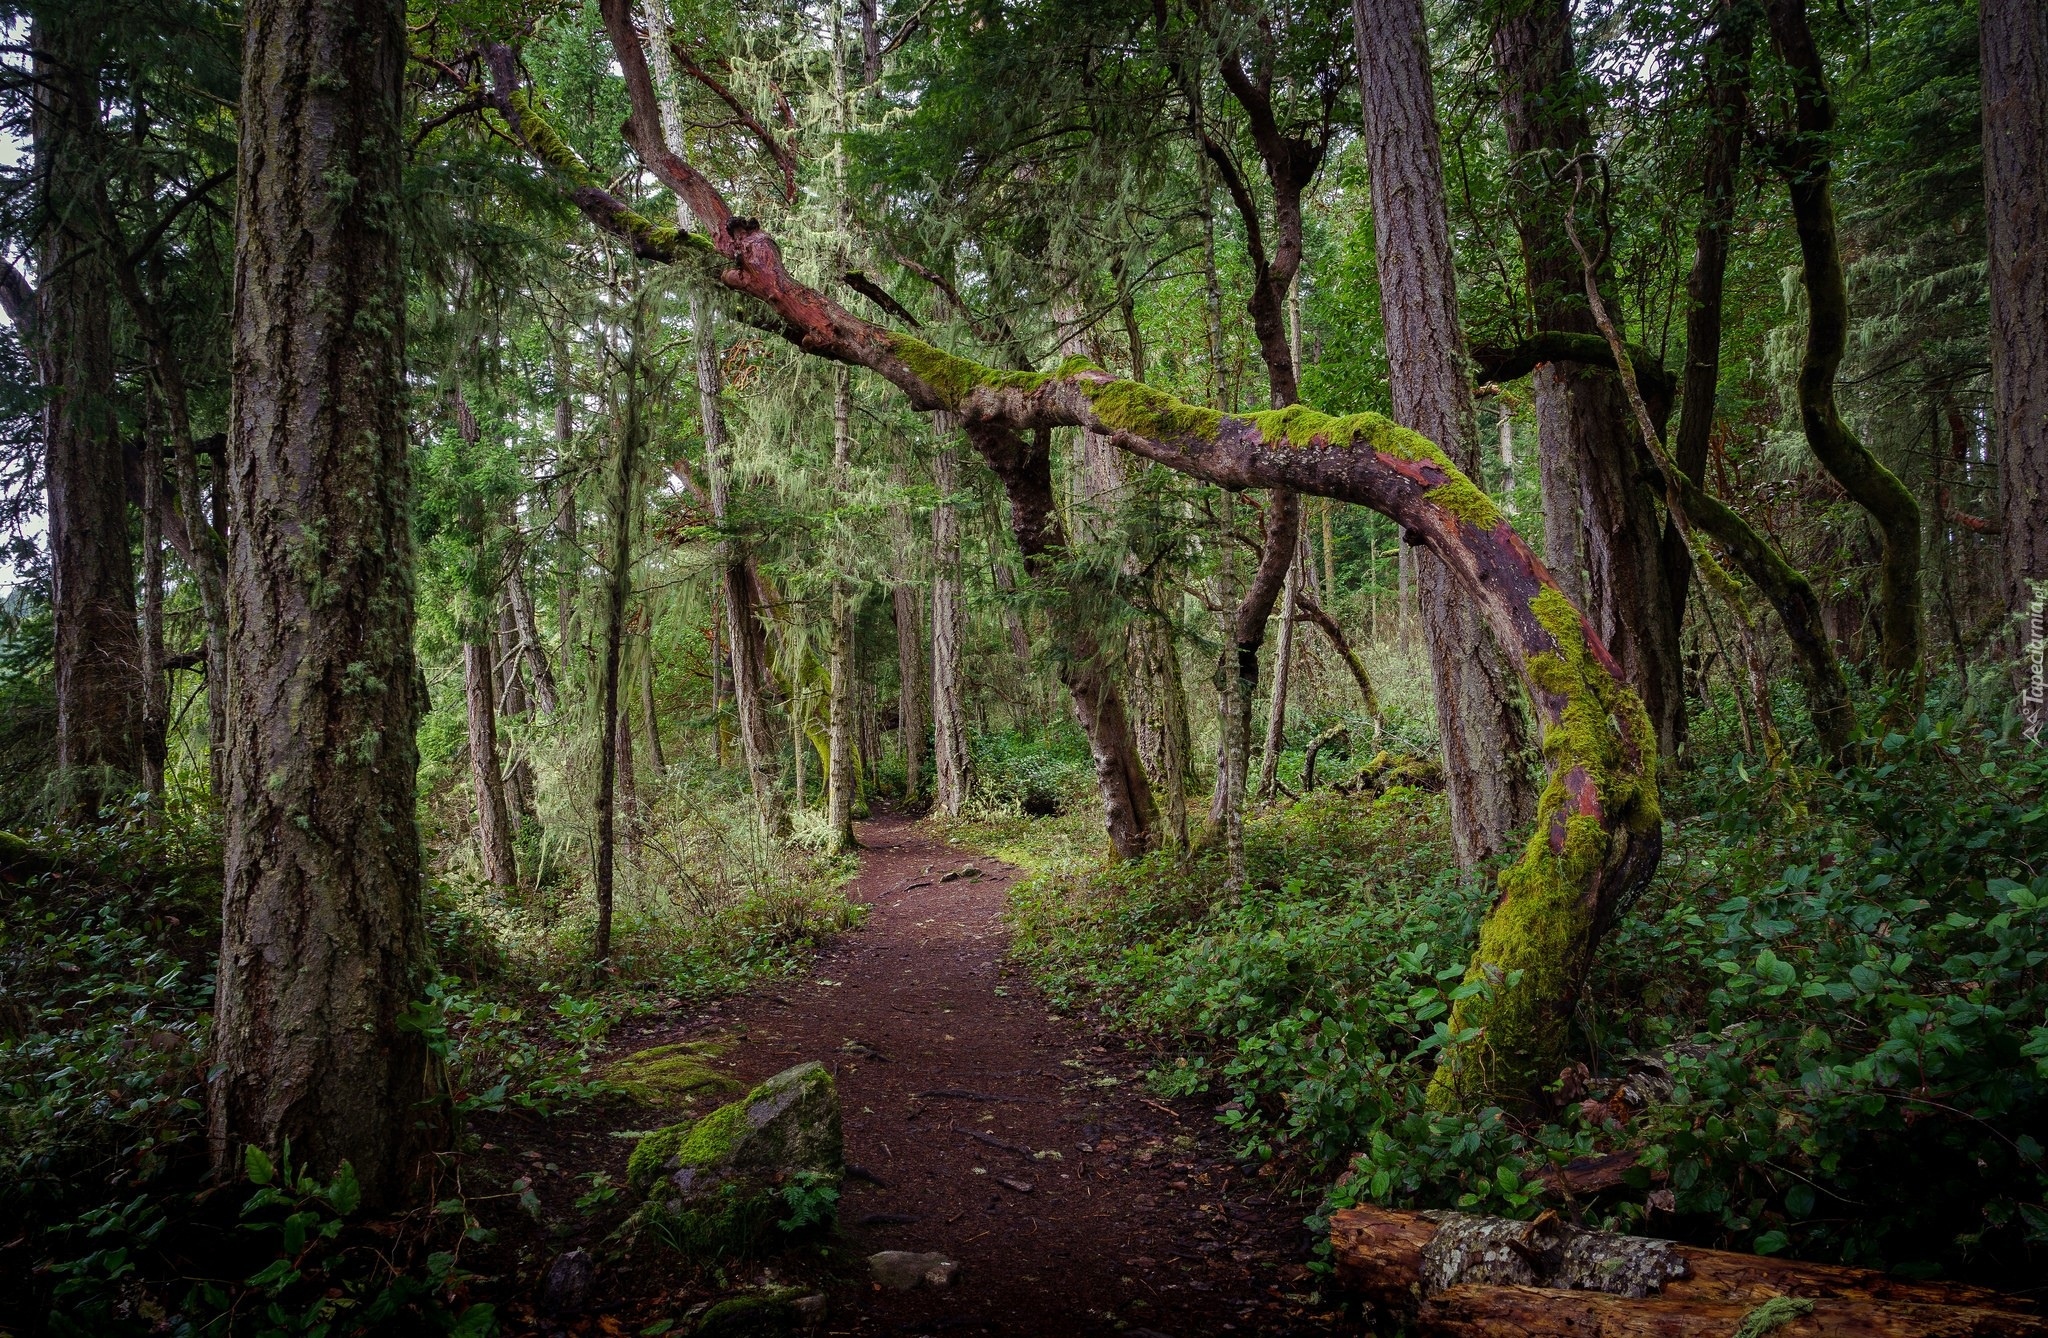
(98,654)
(323,941)
(1598,831)
(2013,39)
(952,775)
(1869,484)
(1484,740)
(1584,426)
(493,817)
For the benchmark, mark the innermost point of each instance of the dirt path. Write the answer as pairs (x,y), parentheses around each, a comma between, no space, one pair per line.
(1009,1140)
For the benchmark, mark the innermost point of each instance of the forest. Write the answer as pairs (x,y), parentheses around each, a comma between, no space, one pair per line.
(1023,667)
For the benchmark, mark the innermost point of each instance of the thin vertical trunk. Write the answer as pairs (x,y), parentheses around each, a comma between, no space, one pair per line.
(2013,38)
(1584,425)
(527,628)
(718,684)
(1283,670)
(952,773)
(505,653)
(612,741)
(910,709)
(493,815)
(1013,618)
(648,714)
(1329,590)
(1506,428)
(92,577)
(840,746)
(323,944)
(155,685)
(1484,740)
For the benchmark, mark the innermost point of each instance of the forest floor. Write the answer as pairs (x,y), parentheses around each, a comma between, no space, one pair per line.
(1016,1142)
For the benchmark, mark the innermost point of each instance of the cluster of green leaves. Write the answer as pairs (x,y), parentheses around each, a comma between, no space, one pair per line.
(1840,976)
(1033,772)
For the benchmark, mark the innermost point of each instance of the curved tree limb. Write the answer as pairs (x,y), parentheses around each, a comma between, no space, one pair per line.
(1598,834)
(1862,475)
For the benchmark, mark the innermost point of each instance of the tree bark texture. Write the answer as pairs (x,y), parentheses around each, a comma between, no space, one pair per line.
(1583,422)
(1598,831)
(1485,744)
(1283,674)
(2013,39)
(98,650)
(493,813)
(952,772)
(650,716)
(536,655)
(1024,465)
(1869,484)
(323,945)
(842,750)
(613,743)
(910,705)
(156,695)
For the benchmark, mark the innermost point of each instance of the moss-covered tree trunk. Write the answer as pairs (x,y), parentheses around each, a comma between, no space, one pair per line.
(323,945)
(1485,744)
(1586,433)
(98,650)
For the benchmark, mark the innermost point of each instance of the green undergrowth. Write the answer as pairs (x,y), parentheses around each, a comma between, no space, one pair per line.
(1834,995)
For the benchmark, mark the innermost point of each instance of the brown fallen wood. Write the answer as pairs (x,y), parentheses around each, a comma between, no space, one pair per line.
(1539,1312)
(1396,1258)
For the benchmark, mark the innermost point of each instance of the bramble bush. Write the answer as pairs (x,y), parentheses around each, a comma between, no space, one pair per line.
(1839,982)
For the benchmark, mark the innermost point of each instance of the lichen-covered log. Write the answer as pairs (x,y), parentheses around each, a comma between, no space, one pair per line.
(1398,1259)
(1536,1312)
(1598,832)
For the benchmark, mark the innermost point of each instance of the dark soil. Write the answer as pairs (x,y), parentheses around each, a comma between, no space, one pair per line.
(978,1126)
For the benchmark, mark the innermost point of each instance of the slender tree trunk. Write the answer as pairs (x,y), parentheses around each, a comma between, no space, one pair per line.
(1485,743)
(493,815)
(910,708)
(952,772)
(323,943)
(841,761)
(614,746)
(527,629)
(155,685)
(2013,37)
(1283,671)
(98,657)
(650,715)
(1869,484)
(568,541)
(1583,420)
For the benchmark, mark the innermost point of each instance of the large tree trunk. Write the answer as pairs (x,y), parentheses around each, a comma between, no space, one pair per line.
(615,745)
(1584,424)
(2013,37)
(98,652)
(1485,744)
(952,773)
(156,696)
(493,815)
(323,944)
(1869,484)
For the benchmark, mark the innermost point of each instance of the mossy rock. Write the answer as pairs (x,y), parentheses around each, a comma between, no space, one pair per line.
(673,1072)
(1388,770)
(771,1160)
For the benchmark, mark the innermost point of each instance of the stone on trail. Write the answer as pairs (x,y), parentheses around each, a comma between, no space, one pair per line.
(901,1270)
(780,1313)
(566,1288)
(720,1184)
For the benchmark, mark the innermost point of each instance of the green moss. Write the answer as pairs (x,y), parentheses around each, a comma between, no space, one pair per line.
(667,1072)
(1074,364)
(954,377)
(1132,406)
(763,1315)
(699,1143)
(1541,926)
(1463,499)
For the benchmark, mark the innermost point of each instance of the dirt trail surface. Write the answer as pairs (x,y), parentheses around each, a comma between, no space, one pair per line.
(1011,1141)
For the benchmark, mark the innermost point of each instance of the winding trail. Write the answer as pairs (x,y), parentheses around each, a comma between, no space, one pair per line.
(1005,1138)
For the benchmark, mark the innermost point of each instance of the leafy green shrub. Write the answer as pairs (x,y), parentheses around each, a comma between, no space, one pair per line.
(1841,981)
(1038,774)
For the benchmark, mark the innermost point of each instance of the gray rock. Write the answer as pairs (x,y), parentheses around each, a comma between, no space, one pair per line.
(901,1270)
(809,1310)
(566,1288)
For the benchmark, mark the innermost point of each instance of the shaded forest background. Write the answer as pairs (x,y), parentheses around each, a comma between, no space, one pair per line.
(685,601)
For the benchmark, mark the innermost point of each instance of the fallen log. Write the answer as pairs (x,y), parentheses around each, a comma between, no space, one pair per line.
(1400,1259)
(1538,1312)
